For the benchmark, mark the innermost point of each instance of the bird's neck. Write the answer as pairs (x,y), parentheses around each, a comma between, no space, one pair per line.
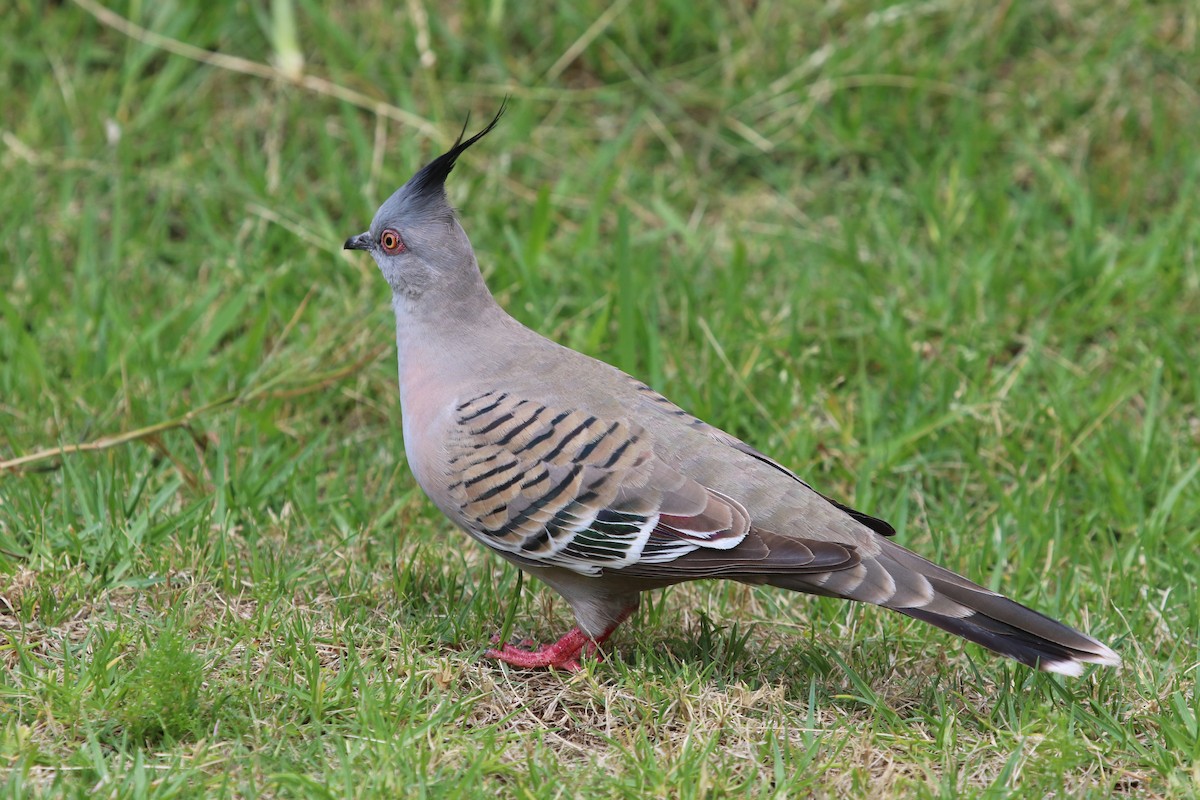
(452,336)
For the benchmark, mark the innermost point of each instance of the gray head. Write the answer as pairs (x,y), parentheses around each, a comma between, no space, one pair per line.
(415,237)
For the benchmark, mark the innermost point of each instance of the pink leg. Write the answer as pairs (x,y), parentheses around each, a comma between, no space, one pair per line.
(563,654)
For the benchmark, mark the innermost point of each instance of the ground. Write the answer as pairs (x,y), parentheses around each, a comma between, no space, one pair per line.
(941,258)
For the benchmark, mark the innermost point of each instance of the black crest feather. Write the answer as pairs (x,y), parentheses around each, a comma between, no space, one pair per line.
(430,183)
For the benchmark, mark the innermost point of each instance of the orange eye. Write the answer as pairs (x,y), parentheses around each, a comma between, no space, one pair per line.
(391,242)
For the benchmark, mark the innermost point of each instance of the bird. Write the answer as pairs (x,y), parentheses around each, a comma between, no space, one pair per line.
(599,486)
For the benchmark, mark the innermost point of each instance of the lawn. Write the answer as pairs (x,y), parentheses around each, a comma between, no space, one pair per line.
(941,258)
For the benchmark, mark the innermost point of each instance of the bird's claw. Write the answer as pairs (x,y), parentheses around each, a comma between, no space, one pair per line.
(534,659)
(562,655)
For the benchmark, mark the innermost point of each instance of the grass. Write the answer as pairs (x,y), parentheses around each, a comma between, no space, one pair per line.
(940,257)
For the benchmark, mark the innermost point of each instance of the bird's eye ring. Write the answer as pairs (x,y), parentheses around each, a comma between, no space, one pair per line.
(391,242)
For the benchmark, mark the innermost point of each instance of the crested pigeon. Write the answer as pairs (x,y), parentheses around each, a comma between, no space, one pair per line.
(596,484)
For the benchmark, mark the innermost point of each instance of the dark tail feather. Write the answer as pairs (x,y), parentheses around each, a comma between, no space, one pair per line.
(905,582)
(1019,643)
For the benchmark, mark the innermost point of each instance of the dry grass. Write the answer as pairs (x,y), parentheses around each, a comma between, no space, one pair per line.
(940,258)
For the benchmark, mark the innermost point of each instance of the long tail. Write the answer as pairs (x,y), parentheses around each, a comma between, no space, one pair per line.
(903,581)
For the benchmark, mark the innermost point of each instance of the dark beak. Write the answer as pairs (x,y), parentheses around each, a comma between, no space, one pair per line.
(360,242)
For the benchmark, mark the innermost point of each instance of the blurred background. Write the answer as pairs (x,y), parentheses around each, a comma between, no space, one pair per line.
(940,257)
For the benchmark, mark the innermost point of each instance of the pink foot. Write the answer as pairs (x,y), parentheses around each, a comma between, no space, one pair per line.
(563,654)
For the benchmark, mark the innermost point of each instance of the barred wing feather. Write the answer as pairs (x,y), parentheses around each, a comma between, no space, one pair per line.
(564,488)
